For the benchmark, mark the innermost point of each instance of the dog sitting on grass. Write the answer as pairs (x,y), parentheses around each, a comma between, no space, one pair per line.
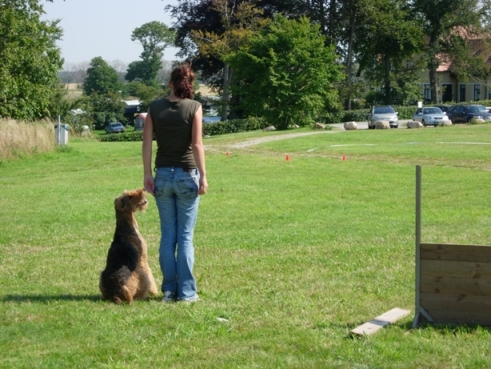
(127,275)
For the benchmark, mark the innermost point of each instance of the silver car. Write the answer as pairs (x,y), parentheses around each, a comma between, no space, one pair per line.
(385,112)
(431,116)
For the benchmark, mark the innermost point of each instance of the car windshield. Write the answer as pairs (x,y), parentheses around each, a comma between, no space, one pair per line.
(474,109)
(383,110)
(432,111)
(482,108)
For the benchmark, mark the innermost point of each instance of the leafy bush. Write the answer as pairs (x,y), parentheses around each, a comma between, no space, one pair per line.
(405,112)
(119,137)
(233,126)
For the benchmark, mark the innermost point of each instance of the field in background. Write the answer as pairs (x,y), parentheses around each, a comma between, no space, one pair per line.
(74,90)
(290,255)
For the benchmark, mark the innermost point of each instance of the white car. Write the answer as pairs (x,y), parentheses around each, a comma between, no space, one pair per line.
(430,116)
(384,112)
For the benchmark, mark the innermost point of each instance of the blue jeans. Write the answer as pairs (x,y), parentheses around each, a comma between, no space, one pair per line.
(176,195)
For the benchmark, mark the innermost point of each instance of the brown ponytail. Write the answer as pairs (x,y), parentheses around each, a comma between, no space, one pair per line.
(182,79)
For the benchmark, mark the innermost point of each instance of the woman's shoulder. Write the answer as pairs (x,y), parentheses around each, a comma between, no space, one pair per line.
(162,101)
(192,102)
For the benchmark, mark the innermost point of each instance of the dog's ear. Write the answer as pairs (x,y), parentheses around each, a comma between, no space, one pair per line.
(119,204)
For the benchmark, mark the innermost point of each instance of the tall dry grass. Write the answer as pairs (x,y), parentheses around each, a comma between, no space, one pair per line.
(21,138)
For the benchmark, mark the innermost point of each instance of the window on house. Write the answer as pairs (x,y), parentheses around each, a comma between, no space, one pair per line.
(477,92)
(426,92)
(462,93)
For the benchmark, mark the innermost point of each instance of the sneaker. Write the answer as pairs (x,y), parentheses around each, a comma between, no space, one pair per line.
(190,299)
(169,296)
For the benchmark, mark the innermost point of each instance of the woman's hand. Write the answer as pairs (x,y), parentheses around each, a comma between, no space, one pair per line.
(203,186)
(148,184)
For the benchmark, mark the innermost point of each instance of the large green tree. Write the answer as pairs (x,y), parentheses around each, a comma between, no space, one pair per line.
(154,38)
(286,74)
(449,26)
(387,39)
(101,78)
(102,109)
(29,60)
(239,23)
(202,15)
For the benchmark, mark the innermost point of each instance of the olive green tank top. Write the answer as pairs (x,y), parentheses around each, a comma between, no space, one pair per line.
(172,125)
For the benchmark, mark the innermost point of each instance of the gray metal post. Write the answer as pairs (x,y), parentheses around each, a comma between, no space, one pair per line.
(418,244)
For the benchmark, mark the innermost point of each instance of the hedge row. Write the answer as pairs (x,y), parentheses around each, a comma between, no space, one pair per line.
(234,126)
(360,115)
(252,124)
(119,137)
(209,129)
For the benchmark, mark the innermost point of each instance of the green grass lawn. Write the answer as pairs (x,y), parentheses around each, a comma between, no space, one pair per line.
(290,255)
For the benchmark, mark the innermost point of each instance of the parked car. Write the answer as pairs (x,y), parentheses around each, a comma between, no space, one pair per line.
(383,112)
(115,127)
(430,116)
(465,113)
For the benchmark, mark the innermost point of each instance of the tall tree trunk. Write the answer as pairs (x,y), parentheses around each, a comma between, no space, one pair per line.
(349,57)
(434,85)
(387,94)
(432,67)
(333,19)
(227,73)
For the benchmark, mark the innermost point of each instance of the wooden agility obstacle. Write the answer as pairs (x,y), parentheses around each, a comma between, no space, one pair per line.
(453,282)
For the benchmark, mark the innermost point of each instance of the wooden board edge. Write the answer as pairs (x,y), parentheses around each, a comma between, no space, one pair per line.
(379,322)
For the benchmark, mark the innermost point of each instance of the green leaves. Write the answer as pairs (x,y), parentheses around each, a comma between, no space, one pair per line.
(30,60)
(101,78)
(154,37)
(286,74)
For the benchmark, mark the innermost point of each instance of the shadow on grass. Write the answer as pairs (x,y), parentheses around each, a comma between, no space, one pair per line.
(49,298)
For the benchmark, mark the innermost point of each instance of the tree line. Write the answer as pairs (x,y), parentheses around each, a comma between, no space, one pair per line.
(287,61)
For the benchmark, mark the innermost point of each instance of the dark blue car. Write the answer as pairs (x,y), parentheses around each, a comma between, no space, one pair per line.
(465,113)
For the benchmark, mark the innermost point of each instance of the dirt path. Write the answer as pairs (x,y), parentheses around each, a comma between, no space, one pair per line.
(256,141)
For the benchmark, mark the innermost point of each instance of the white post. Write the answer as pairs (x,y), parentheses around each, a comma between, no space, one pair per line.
(59,130)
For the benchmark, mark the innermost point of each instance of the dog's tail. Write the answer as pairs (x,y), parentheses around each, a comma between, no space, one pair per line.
(124,296)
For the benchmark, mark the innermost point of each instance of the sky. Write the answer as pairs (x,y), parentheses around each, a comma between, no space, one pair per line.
(103,28)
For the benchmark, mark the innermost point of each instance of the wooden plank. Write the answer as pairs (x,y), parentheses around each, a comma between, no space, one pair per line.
(437,255)
(376,324)
(455,252)
(451,285)
(451,247)
(460,269)
(462,302)
(442,316)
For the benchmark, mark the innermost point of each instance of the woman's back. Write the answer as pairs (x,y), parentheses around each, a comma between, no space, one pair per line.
(172,125)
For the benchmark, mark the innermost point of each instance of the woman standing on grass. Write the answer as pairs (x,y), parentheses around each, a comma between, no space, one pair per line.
(180,177)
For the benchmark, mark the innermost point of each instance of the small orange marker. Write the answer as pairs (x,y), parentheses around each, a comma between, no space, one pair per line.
(287,158)
(228,154)
(344,157)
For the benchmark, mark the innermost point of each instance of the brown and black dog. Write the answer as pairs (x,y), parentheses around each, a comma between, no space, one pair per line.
(127,275)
